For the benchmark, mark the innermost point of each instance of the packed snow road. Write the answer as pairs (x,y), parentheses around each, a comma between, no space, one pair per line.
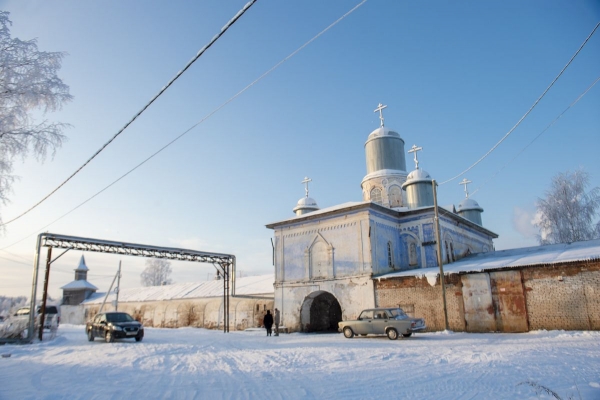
(191,363)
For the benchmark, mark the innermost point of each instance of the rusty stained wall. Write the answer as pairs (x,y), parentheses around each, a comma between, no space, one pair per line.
(419,299)
(508,297)
(564,296)
(479,306)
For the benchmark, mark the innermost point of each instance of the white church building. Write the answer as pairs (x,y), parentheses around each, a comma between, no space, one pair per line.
(326,260)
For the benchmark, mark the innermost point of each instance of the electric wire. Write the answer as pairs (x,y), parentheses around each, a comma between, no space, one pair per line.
(535,138)
(193,126)
(161,91)
(528,111)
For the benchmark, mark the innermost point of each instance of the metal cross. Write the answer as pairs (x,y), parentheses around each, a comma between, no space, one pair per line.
(465,182)
(380,108)
(415,149)
(305,181)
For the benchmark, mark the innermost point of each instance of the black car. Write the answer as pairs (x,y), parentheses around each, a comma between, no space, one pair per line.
(114,325)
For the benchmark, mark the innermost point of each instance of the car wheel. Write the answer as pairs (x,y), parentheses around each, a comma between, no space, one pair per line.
(109,337)
(407,334)
(392,334)
(90,336)
(138,338)
(348,332)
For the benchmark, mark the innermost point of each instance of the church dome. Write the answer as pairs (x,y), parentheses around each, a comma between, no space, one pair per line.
(305,205)
(381,132)
(307,202)
(418,175)
(468,205)
(419,190)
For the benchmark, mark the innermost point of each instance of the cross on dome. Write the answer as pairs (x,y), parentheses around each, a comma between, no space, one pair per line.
(305,181)
(415,149)
(465,182)
(380,108)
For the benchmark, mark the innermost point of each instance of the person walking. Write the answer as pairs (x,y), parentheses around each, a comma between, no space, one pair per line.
(268,322)
(276,321)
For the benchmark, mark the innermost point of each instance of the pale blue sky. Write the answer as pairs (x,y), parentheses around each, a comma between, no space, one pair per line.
(456,76)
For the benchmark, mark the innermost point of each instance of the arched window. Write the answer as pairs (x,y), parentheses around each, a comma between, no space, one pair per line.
(390,255)
(412,254)
(452,251)
(447,252)
(376,195)
(395,196)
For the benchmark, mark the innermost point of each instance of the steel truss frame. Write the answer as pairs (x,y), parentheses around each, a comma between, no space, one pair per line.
(225,264)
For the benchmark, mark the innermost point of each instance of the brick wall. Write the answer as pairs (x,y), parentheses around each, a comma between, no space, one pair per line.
(563,296)
(419,299)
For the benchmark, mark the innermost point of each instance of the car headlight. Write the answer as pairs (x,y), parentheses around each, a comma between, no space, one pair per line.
(117,328)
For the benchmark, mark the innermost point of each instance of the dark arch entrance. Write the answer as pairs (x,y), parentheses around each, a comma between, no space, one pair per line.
(320,312)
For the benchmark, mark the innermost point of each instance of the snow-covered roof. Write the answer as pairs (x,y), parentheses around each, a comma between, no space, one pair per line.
(522,257)
(323,211)
(418,175)
(246,286)
(468,204)
(81,284)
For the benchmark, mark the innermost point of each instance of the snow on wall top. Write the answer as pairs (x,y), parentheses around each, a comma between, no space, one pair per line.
(250,285)
(522,257)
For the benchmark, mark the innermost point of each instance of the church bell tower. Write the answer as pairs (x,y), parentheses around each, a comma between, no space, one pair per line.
(386,166)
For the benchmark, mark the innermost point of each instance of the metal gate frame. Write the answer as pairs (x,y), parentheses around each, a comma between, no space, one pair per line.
(225,264)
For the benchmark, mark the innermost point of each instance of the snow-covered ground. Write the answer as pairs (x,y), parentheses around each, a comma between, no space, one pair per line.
(191,363)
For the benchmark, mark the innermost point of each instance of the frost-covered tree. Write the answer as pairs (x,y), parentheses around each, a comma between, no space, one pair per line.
(156,273)
(567,213)
(10,304)
(28,84)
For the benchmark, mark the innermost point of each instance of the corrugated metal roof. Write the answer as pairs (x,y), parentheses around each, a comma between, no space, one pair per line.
(250,285)
(503,259)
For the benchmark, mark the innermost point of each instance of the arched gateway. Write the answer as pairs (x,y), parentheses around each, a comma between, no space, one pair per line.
(320,312)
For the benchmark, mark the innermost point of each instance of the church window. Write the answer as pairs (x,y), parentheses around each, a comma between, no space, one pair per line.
(412,254)
(390,255)
(395,196)
(319,260)
(258,307)
(376,196)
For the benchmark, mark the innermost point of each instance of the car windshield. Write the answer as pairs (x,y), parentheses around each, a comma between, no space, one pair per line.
(119,317)
(397,313)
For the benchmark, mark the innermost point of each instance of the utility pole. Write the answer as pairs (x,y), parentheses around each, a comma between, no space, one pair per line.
(439,249)
(32,310)
(118,288)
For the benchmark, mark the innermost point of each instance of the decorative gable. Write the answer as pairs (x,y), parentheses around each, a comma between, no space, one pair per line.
(319,258)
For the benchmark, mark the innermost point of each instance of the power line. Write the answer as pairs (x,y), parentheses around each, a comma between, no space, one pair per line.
(528,111)
(193,126)
(161,91)
(539,134)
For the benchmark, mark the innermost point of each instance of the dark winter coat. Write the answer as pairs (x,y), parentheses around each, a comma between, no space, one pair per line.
(268,321)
